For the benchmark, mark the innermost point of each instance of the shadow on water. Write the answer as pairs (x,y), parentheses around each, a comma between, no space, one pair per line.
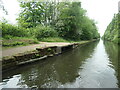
(113,51)
(52,72)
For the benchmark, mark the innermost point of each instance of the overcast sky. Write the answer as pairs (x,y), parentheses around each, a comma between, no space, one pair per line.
(12,6)
(101,11)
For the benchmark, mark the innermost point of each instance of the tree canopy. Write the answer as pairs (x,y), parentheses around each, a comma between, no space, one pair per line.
(113,29)
(67,18)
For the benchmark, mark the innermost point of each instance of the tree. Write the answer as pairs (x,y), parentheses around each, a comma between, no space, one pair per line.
(67,18)
(112,31)
(35,13)
(70,18)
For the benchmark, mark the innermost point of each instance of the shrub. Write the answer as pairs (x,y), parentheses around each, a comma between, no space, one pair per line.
(45,32)
(8,37)
(9,31)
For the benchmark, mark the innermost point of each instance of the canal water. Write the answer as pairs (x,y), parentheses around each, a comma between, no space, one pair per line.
(94,65)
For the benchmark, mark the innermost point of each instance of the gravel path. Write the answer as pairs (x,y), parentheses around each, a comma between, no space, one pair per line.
(22,49)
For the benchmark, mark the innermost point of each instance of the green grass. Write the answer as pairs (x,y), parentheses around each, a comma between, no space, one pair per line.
(23,41)
(17,41)
(58,39)
(53,39)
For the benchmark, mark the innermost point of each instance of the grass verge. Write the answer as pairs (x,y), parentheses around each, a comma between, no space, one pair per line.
(53,39)
(23,41)
(17,41)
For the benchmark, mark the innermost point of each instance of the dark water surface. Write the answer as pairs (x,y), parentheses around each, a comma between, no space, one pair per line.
(94,65)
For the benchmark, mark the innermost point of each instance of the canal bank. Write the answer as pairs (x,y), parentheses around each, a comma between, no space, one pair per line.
(12,61)
(96,62)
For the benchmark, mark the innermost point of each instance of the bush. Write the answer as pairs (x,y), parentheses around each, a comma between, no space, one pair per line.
(9,31)
(45,32)
(8,37)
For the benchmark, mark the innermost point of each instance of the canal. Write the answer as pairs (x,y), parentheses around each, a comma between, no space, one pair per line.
(94,65)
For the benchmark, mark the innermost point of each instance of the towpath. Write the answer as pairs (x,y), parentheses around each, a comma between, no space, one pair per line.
(22,49)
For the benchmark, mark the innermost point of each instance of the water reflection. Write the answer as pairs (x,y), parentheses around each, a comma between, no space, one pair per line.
(86,66)
(113,53)
(55,71)
(96,71)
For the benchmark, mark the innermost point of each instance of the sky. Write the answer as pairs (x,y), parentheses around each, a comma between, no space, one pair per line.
(12,6)
(101,11)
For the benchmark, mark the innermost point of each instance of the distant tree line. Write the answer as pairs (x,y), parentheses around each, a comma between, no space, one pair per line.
(112,32)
